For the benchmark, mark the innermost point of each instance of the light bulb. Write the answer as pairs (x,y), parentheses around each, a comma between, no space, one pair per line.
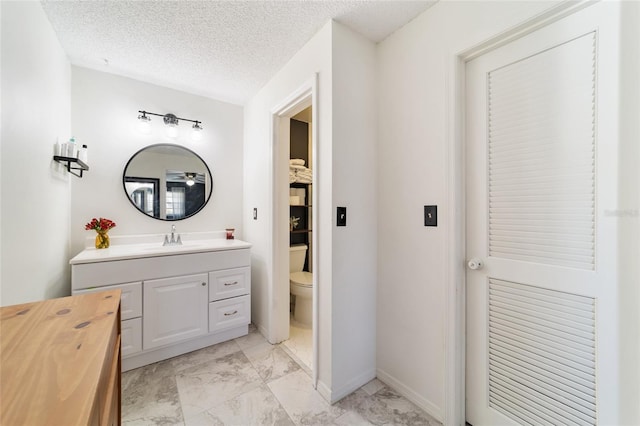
(172,130)
(144,124)
(196,132)
(171,125)
(190,182)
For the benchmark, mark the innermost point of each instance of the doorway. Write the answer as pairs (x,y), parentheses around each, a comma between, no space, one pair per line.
(538,285)
(300,342)
(294,189)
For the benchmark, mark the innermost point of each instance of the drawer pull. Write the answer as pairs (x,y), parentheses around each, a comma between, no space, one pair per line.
(233,283)
(228,314)
(204,284)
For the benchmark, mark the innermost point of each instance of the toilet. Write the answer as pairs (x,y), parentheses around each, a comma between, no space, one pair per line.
(300,284)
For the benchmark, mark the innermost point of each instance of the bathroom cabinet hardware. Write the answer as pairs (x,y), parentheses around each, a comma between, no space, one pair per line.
(72,163)
(233,283)
(204,284)
(228,314)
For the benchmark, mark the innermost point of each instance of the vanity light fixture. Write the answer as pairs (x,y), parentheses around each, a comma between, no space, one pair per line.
(171,123)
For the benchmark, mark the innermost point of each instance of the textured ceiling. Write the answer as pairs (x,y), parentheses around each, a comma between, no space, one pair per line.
(225,50)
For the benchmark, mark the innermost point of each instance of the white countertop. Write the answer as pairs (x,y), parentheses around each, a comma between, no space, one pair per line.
(154,249)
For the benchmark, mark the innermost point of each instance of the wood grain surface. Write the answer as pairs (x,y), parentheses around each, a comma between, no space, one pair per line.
(53,355)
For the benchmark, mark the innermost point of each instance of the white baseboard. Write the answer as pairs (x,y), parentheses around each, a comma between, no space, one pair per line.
(411,395)
(352,385)
(324,391)
(263,331)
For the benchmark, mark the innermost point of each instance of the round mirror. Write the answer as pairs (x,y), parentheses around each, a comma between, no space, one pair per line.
(167,182)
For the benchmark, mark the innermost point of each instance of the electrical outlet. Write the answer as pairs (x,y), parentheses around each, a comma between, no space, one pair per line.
(341,218)
(430,215)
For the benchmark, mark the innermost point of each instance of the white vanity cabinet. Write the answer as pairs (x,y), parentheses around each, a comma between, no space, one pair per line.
(174,300)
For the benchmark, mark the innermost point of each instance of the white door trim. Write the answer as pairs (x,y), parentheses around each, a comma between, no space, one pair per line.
(305,96)
(455,332)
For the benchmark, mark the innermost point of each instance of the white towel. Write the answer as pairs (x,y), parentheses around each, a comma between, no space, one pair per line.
(296,162)
(297,167)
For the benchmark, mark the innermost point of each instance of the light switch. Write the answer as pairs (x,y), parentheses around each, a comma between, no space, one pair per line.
(341,219)
(255,213)
(430,215)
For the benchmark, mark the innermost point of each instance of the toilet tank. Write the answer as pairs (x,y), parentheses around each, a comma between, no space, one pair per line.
(297,255)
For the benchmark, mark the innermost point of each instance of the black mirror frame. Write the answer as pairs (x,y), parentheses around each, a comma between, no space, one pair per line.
(207,198)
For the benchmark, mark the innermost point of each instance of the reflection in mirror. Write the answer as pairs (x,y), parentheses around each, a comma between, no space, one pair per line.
(167,182)
(143,193)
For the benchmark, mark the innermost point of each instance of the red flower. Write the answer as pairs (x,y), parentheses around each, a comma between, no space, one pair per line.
(101,224)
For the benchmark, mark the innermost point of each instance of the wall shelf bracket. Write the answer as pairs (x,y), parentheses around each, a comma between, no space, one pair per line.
(72,164)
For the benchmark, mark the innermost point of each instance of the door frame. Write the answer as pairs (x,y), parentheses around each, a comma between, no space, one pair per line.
(303,97)
(455,258)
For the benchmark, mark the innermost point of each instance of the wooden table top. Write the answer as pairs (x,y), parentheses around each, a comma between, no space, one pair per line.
(51,357)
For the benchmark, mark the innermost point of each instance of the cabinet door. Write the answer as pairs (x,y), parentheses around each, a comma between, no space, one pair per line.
(175,309)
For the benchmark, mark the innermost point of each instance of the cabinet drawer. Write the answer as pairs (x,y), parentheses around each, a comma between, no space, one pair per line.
(131,336)
(130,301)
(229,313)
(229,283)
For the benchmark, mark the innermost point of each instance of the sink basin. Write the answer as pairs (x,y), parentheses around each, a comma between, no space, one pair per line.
(185,245)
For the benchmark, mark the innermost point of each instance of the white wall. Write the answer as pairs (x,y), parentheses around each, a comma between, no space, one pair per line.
(354,180)
(35,211)
(345,166)
(414,75)
(104,116)
(314,57)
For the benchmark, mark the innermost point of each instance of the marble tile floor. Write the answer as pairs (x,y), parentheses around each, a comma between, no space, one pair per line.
(299,345)
(248,381)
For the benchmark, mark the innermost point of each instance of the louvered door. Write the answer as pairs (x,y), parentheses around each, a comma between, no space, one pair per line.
(532,191)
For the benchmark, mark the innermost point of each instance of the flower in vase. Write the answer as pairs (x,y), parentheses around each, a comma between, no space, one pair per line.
(101,226)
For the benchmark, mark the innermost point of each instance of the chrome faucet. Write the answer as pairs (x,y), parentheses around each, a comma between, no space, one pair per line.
(173,241)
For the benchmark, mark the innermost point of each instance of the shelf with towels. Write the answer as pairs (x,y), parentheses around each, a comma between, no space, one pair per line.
(72,163)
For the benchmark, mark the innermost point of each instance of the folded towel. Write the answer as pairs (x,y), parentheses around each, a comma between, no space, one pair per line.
(297,167)
(297,161)
(303,179)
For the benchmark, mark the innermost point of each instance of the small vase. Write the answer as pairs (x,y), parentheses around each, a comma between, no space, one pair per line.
(102,240)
